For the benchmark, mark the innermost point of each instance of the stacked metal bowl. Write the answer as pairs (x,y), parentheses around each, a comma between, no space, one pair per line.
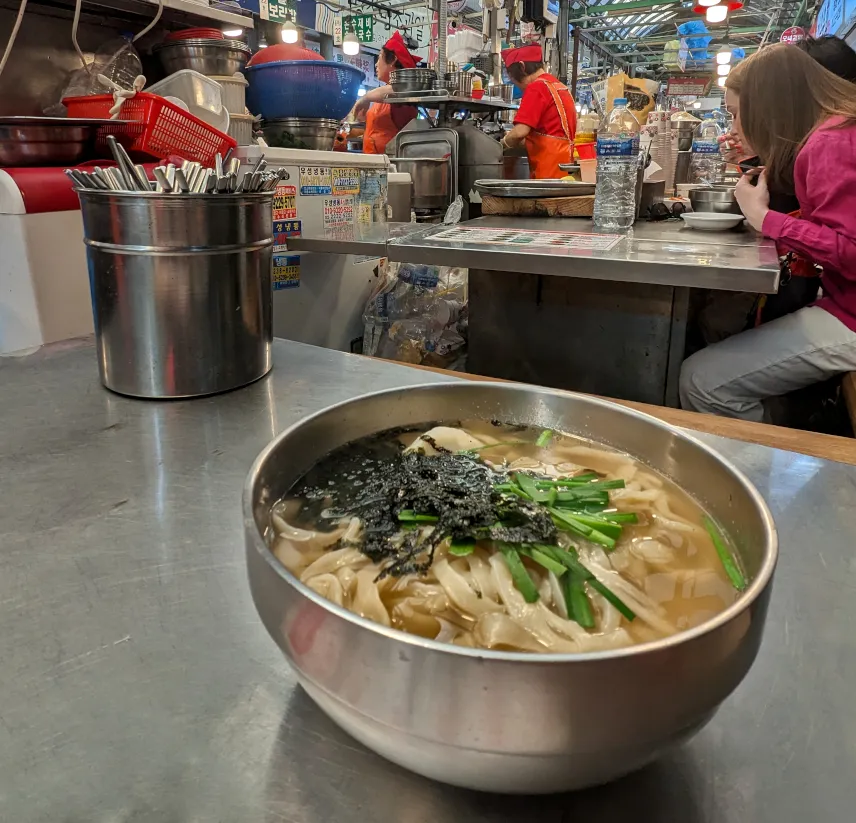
(459,83)
(221,58)
(409,80)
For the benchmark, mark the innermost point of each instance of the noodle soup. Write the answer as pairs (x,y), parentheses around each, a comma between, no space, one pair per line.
(503,537)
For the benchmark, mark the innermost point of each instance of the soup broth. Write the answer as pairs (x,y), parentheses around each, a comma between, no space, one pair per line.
(504,537)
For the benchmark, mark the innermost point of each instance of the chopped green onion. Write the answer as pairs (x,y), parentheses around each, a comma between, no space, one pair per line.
(572,482)
(616,601)
(579,608)
(544,438)
(620,517)
(410,516)
(546,561)
(522,581)
(725,555)
(527,483)
(512,488)
(461,548)
(612,530)
(569,559)
(584,497)
(568,522)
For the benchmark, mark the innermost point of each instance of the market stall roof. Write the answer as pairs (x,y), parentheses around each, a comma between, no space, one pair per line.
(638,30)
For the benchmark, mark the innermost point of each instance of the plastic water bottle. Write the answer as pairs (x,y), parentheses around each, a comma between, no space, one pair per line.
(707,165)
(617,169)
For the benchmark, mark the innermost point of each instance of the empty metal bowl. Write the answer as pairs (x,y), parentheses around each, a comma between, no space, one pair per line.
(315,133)
(716,199)
(221,58)
(503,721)
(409,80)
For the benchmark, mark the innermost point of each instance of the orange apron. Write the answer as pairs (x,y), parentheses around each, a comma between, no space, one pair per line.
(546,151)
(380,128)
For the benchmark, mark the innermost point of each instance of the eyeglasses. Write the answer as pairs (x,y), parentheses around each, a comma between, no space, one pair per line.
(661,211)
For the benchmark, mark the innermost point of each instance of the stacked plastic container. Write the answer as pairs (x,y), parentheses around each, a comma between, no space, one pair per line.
(234,93)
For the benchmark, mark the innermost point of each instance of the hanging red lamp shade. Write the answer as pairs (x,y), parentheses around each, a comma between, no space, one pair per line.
(731,5)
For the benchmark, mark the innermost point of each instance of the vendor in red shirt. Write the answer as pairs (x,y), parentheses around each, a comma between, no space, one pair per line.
(384,121)
(547,118)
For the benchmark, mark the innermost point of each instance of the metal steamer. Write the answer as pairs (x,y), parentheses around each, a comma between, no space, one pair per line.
(445,161)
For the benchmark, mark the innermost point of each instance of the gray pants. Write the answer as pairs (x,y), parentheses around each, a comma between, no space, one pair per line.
(733,377)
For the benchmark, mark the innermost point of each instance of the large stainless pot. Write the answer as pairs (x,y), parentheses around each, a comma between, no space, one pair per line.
(430,177)
(499,721)
(315,133)
(181,290)
(220,58)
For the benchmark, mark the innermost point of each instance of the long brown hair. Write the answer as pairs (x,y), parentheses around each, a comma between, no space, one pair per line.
(784,96)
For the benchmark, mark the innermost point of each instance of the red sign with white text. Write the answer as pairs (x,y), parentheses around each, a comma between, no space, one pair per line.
(793,35)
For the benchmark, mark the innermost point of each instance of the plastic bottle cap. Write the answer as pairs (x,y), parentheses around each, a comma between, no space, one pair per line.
(620,101)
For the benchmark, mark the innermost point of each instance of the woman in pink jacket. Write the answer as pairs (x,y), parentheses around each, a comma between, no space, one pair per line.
(801,120)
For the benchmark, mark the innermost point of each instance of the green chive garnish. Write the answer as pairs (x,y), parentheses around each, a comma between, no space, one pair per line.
(544,438)
(579,608)
(410,516)
(522,581)
(725,555)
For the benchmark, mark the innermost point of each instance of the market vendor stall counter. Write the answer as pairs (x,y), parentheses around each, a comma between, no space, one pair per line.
(556,303)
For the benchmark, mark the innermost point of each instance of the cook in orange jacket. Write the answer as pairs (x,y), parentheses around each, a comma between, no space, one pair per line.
(384,121)
(547,119)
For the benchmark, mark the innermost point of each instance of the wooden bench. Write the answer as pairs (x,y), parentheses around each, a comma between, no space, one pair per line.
(848,388)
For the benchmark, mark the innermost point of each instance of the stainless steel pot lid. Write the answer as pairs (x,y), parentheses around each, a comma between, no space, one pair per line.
(534,188)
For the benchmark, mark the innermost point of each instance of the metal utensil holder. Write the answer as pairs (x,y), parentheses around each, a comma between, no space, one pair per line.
(181,290)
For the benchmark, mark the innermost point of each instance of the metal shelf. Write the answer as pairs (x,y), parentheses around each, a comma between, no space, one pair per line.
(442,101)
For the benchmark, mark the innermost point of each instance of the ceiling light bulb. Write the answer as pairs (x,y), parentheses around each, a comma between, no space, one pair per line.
(697,105)
(716,14)
(723,56)
(723,70)
(720,81)
(289,32)
(350,44)
(232,32)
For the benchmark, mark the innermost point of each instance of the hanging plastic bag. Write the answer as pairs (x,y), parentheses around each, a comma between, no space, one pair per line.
(418,315)
(117,60)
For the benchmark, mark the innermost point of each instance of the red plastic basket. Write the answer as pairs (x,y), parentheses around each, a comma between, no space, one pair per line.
(167,129)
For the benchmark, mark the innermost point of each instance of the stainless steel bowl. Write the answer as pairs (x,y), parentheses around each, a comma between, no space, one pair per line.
(221,58)
(716,199)
(459,83)
(500,721)
(408,80)
(46,141)
(316,133)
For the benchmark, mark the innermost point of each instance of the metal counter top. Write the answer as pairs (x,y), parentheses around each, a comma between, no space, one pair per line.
(666,253)
(139,685)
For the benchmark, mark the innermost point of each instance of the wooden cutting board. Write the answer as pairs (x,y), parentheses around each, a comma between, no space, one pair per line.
(581,206)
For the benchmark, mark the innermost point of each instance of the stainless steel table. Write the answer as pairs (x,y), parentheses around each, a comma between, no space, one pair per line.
(541,302)
(138,684)
(665,253)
